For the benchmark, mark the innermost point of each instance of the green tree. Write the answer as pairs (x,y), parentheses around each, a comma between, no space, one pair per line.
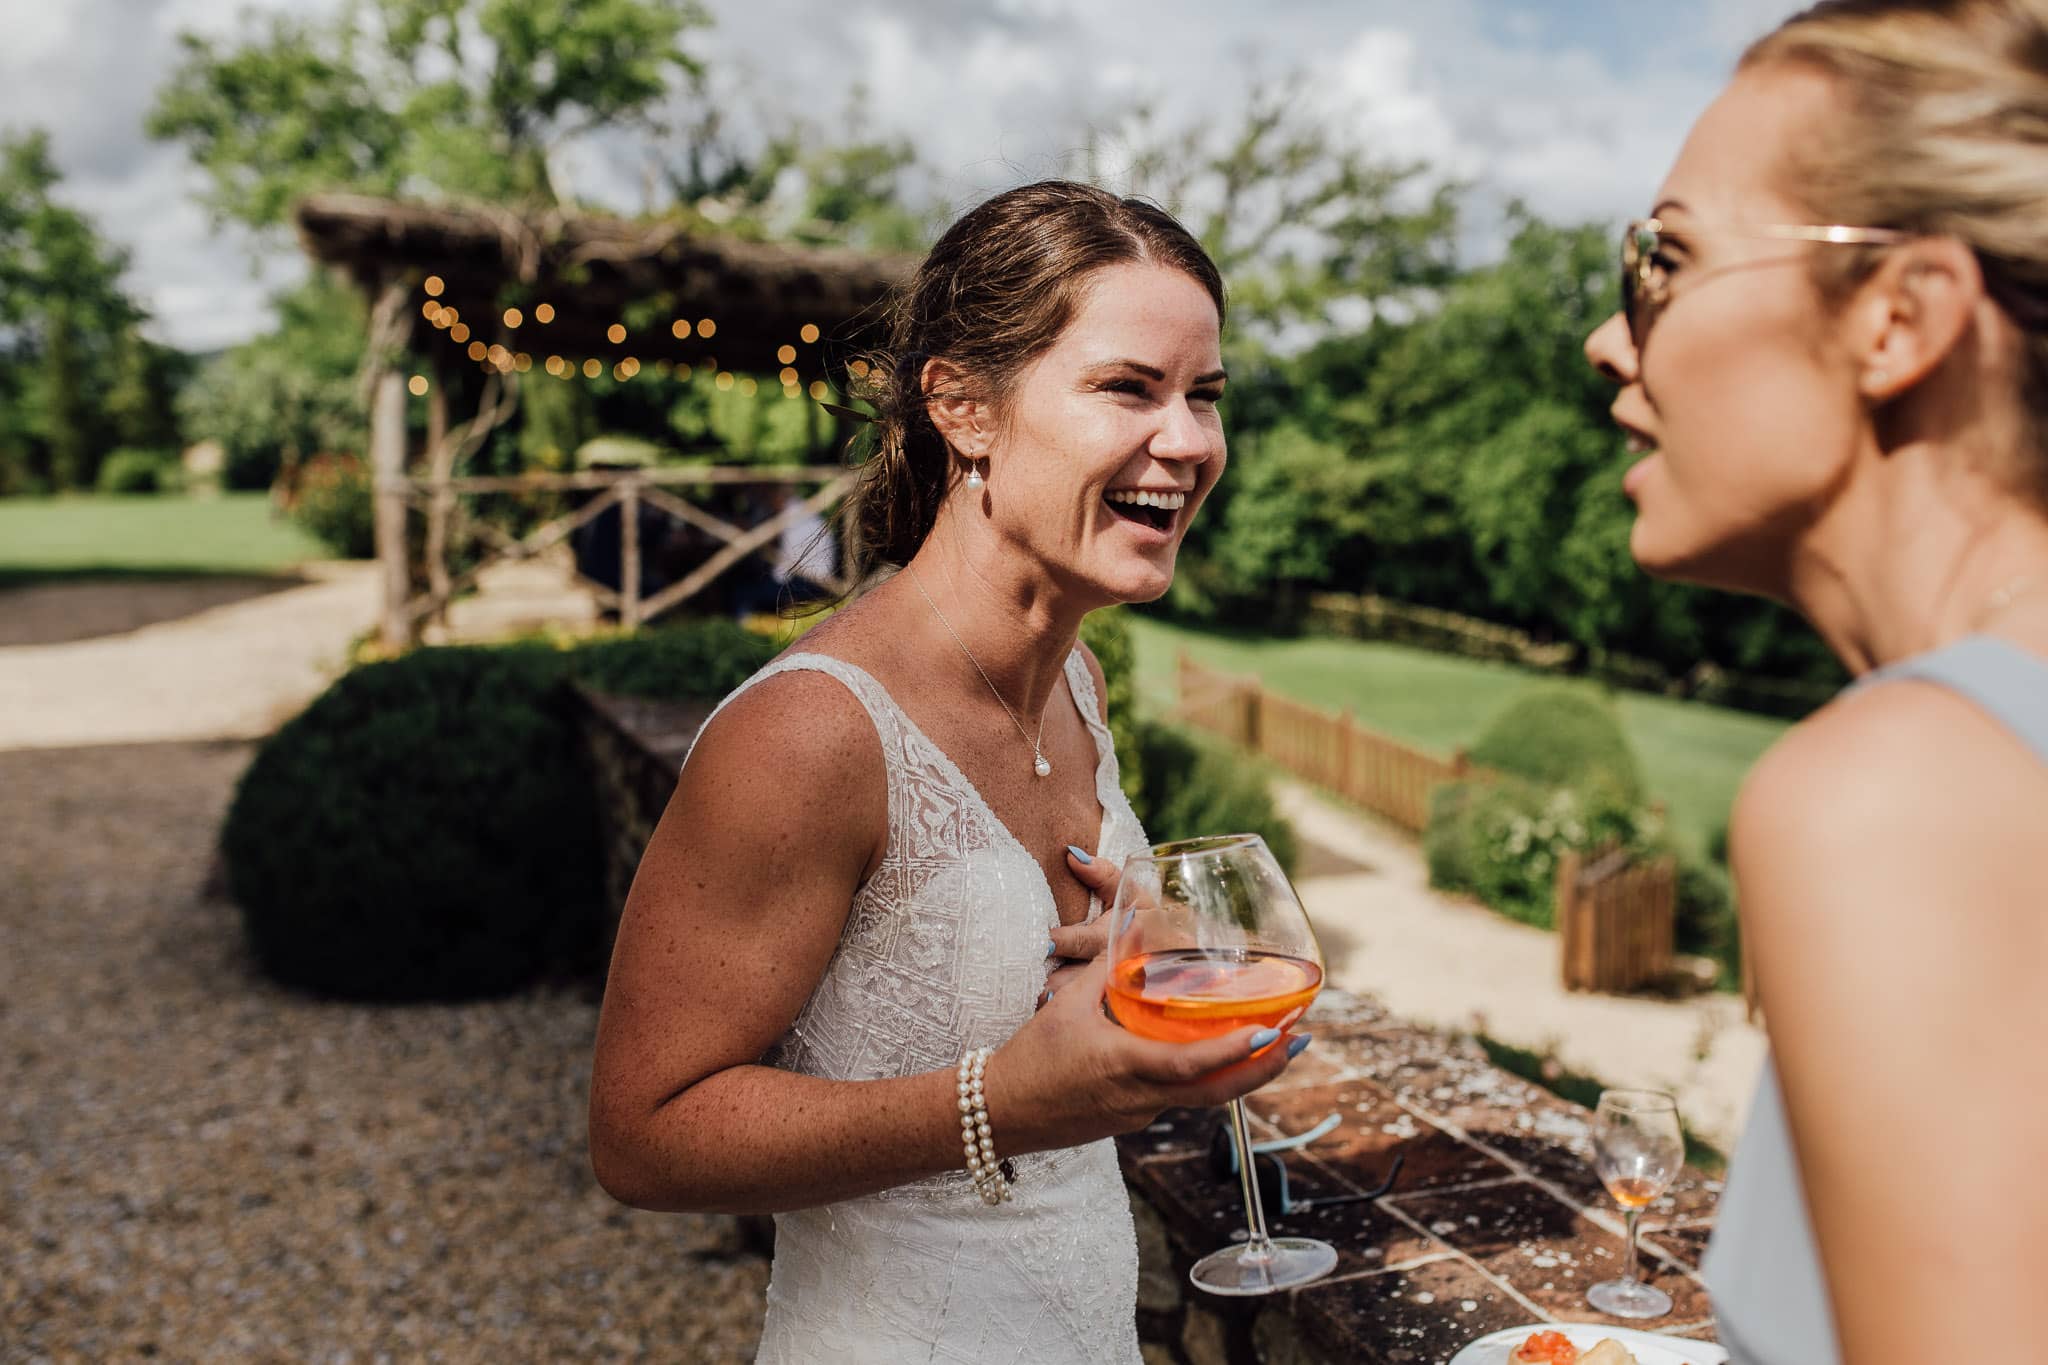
(460,97)
(1300,219)
(66,327)
(839,185)
(289,394)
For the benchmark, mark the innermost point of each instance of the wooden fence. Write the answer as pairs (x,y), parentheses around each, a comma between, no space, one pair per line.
(1329,749)
(622,493)
(1614,921)
(1615,916)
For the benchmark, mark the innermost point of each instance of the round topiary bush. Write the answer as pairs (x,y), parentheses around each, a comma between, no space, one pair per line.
(137,471)
(424,830)
(1555,737)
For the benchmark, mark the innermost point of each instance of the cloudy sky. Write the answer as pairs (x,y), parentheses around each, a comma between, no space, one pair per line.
(1575,106)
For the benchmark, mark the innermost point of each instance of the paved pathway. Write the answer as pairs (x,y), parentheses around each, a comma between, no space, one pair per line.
(231,672)
(1445,961)
(239,670)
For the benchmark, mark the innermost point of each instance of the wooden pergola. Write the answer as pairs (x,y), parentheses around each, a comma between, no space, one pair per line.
(556,296)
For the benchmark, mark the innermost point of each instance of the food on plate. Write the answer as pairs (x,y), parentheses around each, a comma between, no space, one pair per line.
(1554,1348)
(1546,1348)
(1608,1352)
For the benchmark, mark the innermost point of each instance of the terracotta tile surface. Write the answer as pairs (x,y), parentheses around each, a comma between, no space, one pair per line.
(1420,1315)
(1374,1130)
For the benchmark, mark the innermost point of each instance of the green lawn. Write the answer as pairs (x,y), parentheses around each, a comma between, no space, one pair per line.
(1694,756)
(49,538)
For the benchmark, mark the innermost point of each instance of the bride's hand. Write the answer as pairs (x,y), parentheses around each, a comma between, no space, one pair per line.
(1074,946)
(1072,1074)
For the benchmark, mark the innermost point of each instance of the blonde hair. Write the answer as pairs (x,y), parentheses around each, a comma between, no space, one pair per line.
(1944,132)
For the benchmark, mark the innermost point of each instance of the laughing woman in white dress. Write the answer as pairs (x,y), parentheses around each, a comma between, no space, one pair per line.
(887,847)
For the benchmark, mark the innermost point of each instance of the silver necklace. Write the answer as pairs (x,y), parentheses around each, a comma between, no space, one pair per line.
(1040,764)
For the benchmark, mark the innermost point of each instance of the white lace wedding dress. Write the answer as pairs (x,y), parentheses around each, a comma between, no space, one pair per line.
(944,950)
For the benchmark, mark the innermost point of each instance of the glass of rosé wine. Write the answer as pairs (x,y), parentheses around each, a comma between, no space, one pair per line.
(1638,1147)
(1206,937)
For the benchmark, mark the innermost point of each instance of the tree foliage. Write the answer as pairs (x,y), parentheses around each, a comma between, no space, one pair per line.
(76,376)
(459,97)
(287,395)
(1464,458)
(1302,221)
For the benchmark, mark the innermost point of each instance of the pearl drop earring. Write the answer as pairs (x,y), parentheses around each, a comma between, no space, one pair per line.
(974,479)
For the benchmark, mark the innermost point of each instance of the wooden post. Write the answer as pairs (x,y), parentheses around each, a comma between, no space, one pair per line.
(1347,737)
(629,553)
(1251,721)
(1571,932)
(387,473)
(437,411)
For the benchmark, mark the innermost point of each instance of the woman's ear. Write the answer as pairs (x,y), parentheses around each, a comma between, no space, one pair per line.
(1914,312)
(959,417)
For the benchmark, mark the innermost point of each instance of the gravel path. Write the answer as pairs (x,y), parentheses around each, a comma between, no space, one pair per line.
(195,1166)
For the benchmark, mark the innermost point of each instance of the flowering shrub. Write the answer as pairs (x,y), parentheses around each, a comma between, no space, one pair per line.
(1502,841)
(332,501)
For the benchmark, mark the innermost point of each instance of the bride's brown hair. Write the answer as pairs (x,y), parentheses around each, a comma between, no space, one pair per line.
(994,294)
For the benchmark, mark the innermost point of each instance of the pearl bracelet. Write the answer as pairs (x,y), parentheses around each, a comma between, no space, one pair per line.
(991,1182)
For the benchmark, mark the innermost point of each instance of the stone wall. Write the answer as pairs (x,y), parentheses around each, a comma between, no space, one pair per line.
(636,749)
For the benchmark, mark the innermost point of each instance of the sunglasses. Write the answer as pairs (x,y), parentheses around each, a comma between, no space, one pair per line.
(1275,1193)
(1646,267)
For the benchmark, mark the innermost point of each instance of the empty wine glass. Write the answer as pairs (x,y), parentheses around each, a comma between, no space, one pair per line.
(1206,937)
(1638,1148)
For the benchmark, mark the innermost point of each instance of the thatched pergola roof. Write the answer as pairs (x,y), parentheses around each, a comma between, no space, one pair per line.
(659,281)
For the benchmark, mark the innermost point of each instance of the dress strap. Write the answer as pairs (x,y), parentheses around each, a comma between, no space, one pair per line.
(2008,683)
(1081,683)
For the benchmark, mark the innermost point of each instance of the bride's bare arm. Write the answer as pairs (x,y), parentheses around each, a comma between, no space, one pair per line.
(731,922)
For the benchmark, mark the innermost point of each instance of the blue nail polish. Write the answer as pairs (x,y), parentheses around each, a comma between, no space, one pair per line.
(1300,1041)
(1051,949)
(1264,1038)
(1081,855)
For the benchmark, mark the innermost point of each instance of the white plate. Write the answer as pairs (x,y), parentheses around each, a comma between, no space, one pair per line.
(1647,1347)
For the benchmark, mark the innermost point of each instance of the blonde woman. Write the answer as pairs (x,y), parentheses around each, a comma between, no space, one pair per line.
(1834,354)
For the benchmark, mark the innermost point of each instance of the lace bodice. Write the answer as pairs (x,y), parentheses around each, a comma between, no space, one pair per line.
(944,950)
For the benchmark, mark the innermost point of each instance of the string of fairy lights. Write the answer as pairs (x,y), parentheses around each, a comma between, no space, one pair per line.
(505,360)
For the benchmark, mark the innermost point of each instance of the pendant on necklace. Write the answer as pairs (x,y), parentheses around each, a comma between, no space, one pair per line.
(1042,766)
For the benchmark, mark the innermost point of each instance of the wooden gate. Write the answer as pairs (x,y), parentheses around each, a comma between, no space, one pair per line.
(1615,919)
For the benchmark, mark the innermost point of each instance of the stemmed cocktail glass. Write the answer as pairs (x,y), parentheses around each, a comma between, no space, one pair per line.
(1206,937)
(1638,1148)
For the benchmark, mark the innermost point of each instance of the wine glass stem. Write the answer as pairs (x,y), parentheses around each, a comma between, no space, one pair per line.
(1629,1265)
(1259,1244)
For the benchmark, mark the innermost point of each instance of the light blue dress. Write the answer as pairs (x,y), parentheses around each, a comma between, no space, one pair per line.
(1770,1297)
